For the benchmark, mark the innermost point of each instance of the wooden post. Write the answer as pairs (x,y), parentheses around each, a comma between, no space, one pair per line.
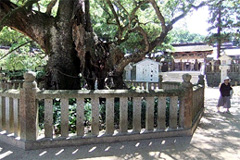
(28,108)
(186,102)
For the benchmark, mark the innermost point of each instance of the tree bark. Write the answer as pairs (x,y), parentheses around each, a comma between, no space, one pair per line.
(219,29)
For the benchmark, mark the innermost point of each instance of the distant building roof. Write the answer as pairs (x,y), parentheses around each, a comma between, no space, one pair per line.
(192,47)
(146,60)
(232,52)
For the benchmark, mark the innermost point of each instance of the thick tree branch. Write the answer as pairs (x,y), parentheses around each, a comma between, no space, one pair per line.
(50,7)
(159,40)
(145,37)
(135,57)
(123,31)
(25,20)
(159,15)
(116,18)
(65,10)
(187,9)
(15,49)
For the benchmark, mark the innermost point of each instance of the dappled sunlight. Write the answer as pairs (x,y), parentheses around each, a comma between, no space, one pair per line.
(107,149)
(42,154)
(218,133)
(217,137)
(59,152)
(5,154)
(92,149)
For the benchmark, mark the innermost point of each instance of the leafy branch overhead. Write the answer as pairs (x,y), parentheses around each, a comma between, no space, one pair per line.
(225,22)
(91,37)
(138,26)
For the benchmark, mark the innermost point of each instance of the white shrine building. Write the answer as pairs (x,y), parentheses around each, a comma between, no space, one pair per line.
(146,70)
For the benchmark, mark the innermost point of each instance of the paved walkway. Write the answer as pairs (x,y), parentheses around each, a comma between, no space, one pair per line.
(216,138)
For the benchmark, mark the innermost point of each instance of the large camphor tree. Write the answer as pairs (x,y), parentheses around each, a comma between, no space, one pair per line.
(64,29)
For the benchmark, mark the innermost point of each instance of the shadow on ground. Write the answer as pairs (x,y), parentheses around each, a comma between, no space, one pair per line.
(216,138)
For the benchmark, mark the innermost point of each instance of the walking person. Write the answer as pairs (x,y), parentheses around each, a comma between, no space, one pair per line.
(225,95)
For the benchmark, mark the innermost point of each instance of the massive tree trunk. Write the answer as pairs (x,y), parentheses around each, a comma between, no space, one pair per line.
(63,66)
(219,29)
(69,42)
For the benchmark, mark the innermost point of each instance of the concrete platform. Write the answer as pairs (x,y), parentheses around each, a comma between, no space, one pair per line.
(216,138)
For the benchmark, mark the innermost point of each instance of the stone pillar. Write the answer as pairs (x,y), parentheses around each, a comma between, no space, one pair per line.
(2,81)
(28,108)
(186,102)
(149,113)
(123,115)
(201,79)
(137,103)
(225,65)
(183,66)
(110,115)
(224,70)
(202,82)
(160,82)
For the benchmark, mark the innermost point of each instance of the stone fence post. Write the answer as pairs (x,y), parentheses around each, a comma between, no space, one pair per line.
(28,108)
(2,81)
(160,82)
(186,102)
(201,80)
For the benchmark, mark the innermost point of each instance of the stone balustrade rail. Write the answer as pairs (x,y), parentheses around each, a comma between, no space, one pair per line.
(181,106)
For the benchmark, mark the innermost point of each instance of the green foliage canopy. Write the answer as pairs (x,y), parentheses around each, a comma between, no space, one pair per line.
(178,35)
(225,20)
(134,25)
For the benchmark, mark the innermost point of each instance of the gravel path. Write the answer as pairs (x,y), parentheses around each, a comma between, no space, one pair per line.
(216,138)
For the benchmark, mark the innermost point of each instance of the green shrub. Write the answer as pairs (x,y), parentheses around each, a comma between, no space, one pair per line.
(102,113)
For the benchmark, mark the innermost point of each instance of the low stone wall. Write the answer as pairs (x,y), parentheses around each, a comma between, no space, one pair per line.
(214,78)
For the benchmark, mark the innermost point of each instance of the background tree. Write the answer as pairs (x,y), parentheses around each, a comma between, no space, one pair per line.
(64,29)
(178,35)
(225,20)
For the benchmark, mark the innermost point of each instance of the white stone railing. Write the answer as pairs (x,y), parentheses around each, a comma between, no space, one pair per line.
(13,84)
(198,96)
(9,84)
(19,114)
(166,85)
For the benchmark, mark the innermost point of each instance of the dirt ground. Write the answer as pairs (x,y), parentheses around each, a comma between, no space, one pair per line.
(216,138)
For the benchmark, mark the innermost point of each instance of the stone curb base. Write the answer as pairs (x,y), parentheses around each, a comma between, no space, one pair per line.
(64,142)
